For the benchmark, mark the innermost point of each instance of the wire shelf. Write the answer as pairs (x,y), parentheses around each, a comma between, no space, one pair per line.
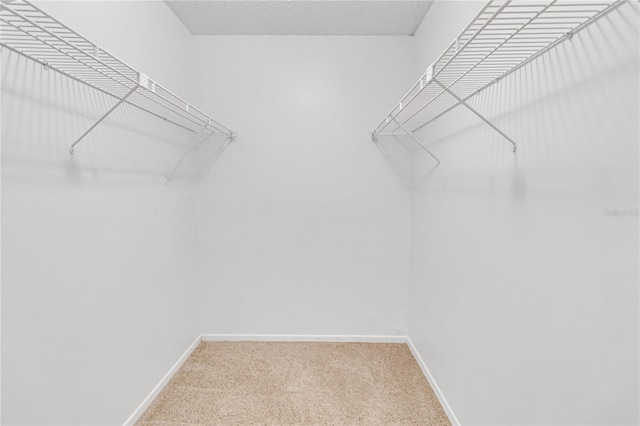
(29,31)
(503,37)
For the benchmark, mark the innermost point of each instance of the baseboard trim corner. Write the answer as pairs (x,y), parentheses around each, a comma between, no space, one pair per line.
(434,386)
(301,338)
(156,390)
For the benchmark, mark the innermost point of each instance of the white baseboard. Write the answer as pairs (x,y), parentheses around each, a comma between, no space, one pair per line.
(293,338)
(154,393)
(443,401)
(301,338)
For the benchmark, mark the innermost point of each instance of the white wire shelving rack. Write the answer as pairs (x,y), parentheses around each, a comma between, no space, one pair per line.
(503,37)
(29,31)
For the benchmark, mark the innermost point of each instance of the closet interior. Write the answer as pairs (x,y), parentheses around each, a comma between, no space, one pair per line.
(473,259)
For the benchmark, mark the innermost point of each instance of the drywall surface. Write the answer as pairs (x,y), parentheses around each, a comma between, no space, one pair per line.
(97,252)
(302,224)
(524,269)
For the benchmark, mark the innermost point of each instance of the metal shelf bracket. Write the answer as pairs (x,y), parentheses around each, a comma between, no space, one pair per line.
(113,108)
(473,110)
(411,135)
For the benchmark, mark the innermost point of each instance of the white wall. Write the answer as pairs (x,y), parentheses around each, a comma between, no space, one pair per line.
(97,253)
(302,225)
(524,294)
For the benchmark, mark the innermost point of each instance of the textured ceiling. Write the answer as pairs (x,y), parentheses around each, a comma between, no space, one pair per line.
(300,17)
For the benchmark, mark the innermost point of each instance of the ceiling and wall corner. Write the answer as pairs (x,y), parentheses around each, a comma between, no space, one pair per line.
(301,17)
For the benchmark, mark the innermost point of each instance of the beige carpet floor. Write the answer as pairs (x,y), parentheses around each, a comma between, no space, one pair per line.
(294,383)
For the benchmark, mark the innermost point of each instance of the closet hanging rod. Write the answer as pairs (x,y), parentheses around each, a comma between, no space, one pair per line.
(503,37)
(32,33)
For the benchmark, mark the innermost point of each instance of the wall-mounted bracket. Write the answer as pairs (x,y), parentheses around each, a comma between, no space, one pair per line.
(470,108)
(120,102)
(416,140)
(146,82)
(429,74)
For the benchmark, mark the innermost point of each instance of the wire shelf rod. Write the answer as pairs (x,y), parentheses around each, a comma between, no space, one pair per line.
(493,51)
(31,33)
(99,89)
(503,37)
(604,12)
(31,30)
(80,39)
(92,67)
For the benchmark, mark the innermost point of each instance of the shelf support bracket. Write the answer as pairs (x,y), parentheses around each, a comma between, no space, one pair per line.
(189,148)
(415,140)
(470,108)
(120,102)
